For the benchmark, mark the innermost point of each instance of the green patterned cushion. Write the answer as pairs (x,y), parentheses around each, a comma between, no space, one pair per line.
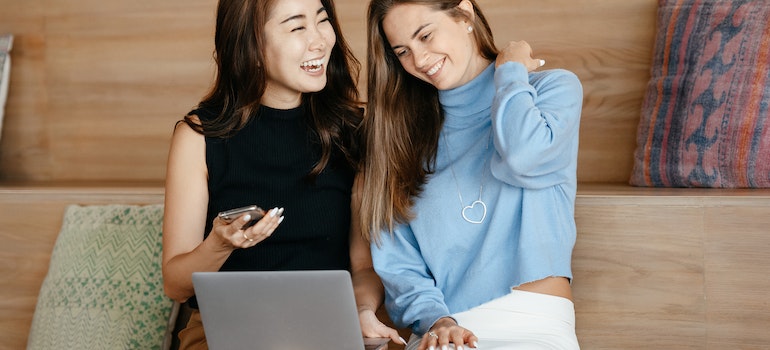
(104,288)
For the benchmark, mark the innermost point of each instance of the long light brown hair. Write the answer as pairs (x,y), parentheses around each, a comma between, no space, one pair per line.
(239,43)
(403,120)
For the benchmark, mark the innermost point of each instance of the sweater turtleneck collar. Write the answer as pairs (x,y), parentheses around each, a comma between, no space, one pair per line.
(470,103)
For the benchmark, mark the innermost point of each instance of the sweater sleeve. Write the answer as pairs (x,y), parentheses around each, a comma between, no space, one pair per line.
(535,119)
(411,296)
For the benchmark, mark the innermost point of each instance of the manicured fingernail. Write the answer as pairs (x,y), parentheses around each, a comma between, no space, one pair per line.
(247,217)
(459,347)
(542,63)
(402,340)
(475,344)
(280,212)
(444,347)
(273,212)
(432,347)
(280,220)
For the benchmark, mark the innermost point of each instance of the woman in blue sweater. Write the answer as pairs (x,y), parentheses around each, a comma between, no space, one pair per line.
(470,180)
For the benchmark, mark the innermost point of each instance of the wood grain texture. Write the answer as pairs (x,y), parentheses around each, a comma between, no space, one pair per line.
(97,85)
(638,277)
(672,272)
(737,254)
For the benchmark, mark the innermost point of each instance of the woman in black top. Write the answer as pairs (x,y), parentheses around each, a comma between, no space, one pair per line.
(278,130)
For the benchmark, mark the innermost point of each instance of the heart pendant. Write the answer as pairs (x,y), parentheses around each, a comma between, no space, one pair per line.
(483,214)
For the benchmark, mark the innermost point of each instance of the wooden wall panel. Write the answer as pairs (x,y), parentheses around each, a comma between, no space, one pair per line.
(111,80)
(126,84)
(96,85)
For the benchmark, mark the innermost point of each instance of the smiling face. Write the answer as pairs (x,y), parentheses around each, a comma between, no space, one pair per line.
(433,46)
(299,38)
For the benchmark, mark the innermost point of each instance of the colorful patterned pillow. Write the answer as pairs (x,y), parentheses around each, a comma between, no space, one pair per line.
(104,288)
(705,117)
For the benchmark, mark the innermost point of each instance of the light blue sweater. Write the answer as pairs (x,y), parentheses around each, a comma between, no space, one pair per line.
(439,264)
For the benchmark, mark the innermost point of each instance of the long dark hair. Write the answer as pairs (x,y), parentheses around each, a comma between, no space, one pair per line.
(335,111)
(403,119)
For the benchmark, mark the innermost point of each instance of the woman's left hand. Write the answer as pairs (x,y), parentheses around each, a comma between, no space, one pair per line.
(519,51)
(446,331)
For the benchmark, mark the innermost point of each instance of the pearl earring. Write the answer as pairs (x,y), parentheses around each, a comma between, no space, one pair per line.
(470,29)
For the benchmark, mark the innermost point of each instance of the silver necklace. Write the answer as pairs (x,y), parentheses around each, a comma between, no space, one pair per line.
(479,201)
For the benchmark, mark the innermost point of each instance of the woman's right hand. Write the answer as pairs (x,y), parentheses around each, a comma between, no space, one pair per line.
(446,331)
(372,327)
(233,236)
(519,51)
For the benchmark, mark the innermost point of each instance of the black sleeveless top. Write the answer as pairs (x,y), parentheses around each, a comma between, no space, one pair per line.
(267,163)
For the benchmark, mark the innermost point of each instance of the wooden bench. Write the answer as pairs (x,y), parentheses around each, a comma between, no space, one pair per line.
(665,269)
(657,268)
(654,268)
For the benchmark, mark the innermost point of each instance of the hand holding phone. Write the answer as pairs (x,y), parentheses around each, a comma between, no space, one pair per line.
(230,215)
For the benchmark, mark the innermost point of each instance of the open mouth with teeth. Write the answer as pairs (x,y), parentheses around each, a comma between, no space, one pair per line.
(312,66)
(435,68)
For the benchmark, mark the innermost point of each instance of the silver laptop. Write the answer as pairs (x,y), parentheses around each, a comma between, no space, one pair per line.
(280,310)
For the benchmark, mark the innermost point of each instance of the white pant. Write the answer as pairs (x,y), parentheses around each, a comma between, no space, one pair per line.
(520,320)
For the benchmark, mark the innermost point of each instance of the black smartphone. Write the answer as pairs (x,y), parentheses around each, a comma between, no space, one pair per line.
(256,213)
